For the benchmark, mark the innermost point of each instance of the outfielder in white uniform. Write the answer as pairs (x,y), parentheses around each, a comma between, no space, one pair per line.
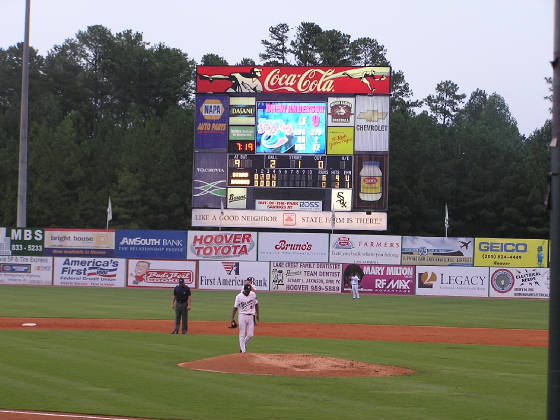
(248,306)
(355,280)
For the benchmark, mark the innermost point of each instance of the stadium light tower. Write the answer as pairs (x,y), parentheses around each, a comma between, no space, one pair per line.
(553,403)
(22,178)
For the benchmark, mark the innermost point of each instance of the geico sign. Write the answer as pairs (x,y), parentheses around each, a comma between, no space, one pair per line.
(502,247)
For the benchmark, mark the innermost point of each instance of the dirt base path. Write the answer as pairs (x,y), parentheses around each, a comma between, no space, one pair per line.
(400,333)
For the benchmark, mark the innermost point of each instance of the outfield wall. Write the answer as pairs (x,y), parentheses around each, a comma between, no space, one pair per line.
(278,261)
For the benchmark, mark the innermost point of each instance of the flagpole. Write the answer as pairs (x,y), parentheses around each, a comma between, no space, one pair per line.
(446,220)
(109,213)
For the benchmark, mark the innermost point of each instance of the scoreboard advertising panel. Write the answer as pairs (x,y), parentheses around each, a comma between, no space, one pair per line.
(275,140)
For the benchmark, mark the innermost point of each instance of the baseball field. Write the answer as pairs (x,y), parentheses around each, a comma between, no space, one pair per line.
(108,352)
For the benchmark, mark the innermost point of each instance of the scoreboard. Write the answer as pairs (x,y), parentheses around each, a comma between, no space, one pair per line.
(291,171)
(275,136)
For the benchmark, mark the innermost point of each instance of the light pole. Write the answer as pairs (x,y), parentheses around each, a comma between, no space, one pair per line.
(22,179)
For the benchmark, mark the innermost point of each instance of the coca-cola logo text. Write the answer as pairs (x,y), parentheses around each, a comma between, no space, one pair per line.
(310,81)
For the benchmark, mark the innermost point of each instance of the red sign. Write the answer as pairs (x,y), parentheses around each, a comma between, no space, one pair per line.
(325,80)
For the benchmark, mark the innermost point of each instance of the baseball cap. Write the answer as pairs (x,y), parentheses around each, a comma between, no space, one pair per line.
(247,288)
(181,280)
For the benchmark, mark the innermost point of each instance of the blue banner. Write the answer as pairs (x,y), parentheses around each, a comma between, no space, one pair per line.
(154,244)
(211,130)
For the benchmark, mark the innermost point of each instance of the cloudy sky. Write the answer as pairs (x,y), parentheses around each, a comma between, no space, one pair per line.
(502,46)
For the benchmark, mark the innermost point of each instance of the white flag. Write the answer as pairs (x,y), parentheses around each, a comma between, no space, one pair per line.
(109,212)
(446,221)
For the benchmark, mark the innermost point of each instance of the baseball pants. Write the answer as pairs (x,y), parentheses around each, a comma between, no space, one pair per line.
(355,293)
(246,330)
(181,314)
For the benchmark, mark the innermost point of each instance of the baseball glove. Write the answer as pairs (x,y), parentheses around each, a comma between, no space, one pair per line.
(233,324)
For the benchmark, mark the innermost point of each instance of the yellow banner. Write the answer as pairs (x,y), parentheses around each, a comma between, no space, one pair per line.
(505,252)
(340,141)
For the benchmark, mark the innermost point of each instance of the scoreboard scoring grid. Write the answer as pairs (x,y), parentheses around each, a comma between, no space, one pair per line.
(291,171)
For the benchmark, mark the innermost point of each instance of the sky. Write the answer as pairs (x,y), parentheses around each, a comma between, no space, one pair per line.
(499,46)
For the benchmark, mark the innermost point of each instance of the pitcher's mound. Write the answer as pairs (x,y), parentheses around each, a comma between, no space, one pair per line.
(291,365)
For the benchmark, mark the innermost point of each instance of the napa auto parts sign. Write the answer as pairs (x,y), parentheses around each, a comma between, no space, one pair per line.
(325,80)
(220,245)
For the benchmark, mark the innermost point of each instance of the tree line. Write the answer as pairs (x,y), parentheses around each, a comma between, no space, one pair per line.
(110,114)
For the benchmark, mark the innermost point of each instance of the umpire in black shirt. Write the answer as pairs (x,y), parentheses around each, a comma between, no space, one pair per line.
(182,304)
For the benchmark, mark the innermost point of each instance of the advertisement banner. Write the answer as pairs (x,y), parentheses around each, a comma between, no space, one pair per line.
(242,111)
(500,252)
(236,198)
(420,250)
(372,124)
(155,244)
(241,132)
(79,242)
(340,141)
(89,272)
(26,270)
(305,277)
(283,246)
(290,220)
(209,180)
(211,122)
(293,80)
(21,241)
(231,275)
(341,112)
(370,181)
(520,282)
(222,245)
(160,273)
(365,249)
(287,205)
(380,279)
(341,200)
(452,281)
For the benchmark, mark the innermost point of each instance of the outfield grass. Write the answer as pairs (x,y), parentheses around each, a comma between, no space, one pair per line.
(277,307)
(136,374)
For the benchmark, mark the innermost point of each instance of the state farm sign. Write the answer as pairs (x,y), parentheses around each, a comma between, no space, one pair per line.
(238,246)
(326,80)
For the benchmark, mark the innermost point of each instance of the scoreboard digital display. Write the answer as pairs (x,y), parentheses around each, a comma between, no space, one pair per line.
(289,171)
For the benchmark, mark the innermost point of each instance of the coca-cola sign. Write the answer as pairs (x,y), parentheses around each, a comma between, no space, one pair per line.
(314,80)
